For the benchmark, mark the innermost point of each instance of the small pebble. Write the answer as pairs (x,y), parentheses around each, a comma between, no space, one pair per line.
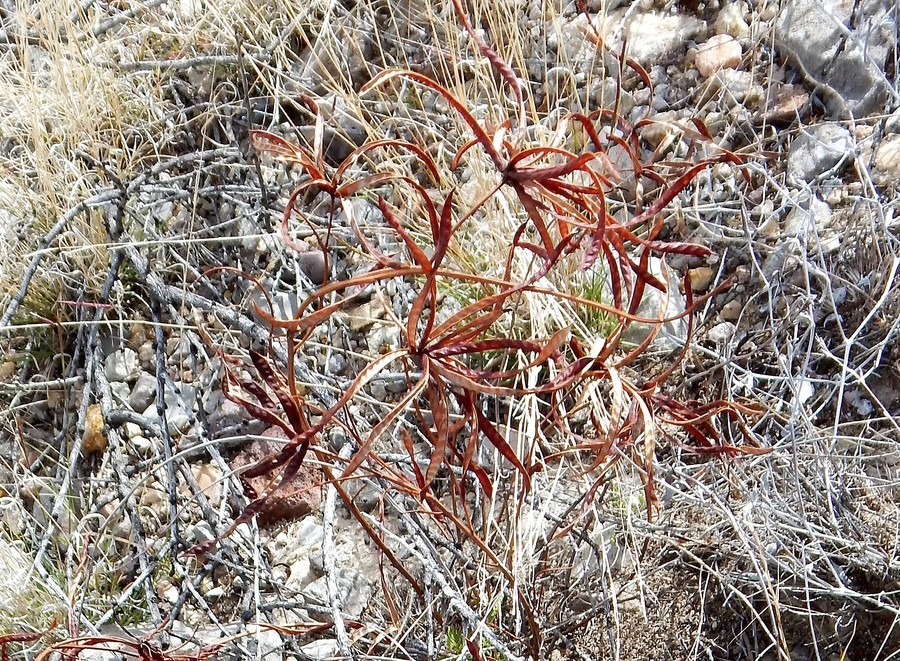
(700,278)
(147,355)
(721,332)
(731,20)
(143,393)
(887,158)
(312,264)
(721,51)
(94,438)
(731,311)
(121,365)
(7,371)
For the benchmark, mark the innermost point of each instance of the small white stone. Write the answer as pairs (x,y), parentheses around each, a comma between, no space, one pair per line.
(721,332)
(215,593)
(662,127)
(652,35)
(209,480)
(887,158)
(325,648)
(800,221)
(300,574)
(121,365)
(731,20)
(167,591)
(736,87)
(818,149)
(769,227)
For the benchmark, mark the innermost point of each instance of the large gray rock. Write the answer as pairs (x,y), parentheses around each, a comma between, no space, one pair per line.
(850,61)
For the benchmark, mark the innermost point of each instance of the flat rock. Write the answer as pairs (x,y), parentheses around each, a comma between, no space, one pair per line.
(701,277)
(312,264)
(720,51)
(300,496)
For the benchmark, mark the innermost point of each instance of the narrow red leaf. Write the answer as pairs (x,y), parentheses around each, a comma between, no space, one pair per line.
(497,440)
(408,444)
(269,143)
(502,67)
(458,106)
(669,193)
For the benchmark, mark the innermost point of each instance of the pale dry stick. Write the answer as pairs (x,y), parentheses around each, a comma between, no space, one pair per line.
(850,342)
(728,584)
(793,344)
(123,17)
(703,590)
(808,538)
(231,316)
(429,616)
(66,475)
(103,197)
(37,386)
(328,560)
(162,379)
(218,156)
(708,497)
(612,607)
(420,549)
(229,482)
(125,596)
(180,64)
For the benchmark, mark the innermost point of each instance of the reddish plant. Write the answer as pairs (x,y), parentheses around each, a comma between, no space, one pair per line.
(563,196)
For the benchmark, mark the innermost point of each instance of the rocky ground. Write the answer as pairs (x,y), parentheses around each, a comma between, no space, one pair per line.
(145,246)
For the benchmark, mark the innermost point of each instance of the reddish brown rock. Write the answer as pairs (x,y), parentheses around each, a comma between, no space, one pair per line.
(294,500)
